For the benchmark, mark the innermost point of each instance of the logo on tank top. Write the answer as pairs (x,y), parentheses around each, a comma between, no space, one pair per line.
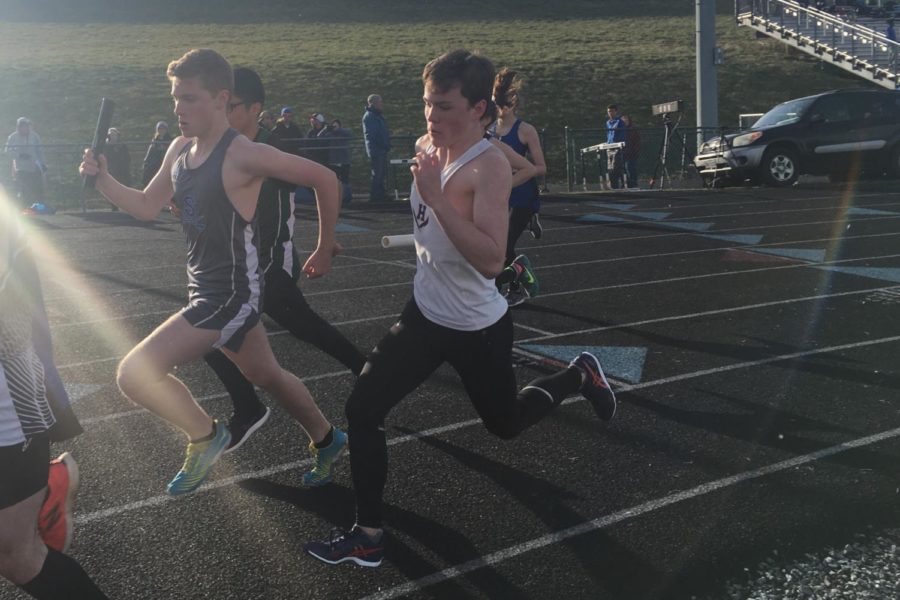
(191,217)
(422,216)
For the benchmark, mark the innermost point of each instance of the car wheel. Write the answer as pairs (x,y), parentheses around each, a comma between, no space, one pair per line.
(780,167)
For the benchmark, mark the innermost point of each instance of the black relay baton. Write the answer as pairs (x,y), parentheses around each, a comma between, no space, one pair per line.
(107,107)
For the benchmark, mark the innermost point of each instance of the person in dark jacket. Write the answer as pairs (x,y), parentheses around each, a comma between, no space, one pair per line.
(316,143)
(156,152)
(339,157)
(286,135)
(378,144)
(631,152)
(117,158)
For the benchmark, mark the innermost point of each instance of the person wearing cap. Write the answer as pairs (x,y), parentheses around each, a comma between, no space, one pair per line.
(156,152)
(266,121)
(23,146)
(286,135)
(316,145)
(378,144)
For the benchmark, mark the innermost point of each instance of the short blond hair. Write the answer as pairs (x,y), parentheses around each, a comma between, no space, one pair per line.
(208,66)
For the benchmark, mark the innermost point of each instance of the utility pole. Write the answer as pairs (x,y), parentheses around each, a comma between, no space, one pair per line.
(707,82)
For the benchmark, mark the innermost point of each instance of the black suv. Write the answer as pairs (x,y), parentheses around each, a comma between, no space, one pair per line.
(838,133)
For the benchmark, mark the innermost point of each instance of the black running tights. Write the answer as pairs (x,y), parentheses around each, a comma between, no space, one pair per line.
(413,348)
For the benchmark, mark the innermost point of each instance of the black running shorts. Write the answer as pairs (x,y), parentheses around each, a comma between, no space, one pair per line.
(233,320)
(24,469)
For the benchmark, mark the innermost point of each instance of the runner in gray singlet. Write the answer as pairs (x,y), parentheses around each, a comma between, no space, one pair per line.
(215,176)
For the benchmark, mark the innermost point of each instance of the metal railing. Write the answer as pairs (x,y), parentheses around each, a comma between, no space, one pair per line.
(840,40)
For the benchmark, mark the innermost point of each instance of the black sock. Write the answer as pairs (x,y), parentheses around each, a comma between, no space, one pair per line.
(208,437)
(561,384)
(507,275)
(62,577)
(326,441)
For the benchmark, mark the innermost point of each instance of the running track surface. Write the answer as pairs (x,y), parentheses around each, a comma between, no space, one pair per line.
(751,334)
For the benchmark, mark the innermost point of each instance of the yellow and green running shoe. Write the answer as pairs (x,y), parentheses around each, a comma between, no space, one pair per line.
(526,277)
(324,460)
(199,459)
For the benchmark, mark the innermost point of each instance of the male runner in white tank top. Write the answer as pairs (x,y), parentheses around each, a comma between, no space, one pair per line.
(216,175)
(456,315)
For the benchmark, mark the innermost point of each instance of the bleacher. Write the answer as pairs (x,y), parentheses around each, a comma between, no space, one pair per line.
(854,43)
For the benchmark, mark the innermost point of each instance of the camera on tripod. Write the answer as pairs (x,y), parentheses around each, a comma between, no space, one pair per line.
(661,172)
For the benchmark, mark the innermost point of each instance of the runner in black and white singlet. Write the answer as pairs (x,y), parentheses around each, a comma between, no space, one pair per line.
(223,269)
(456,315)
(27,558)
(282,300)
(215,176)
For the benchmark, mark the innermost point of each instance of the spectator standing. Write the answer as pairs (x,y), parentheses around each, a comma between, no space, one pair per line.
(615,132)
(339,158)
(378,144)
(155,152)
(266,120)
(286,135)
(117,157)
(23,146)
(317,145)
(631,152)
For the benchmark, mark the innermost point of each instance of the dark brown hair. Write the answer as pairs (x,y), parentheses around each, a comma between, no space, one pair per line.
(471,72)
(507,85)
(210,67)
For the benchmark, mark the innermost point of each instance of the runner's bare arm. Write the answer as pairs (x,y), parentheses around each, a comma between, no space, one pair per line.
(262,160)
(141,204)
(522,168)
(531,139)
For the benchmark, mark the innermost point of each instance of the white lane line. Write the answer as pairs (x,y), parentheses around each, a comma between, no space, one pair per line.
(542,246)
(141,411)
(220,483)
(746,247)
(550,336)
(156,500)
(742,214)
(712,275)
(612,240)
(627,514)
(184,285)
(707,313)
(560,265)
(635,284)
(534,329)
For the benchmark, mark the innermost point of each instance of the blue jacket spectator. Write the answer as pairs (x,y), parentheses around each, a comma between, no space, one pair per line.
(378,143)
(615,128)
(375,129)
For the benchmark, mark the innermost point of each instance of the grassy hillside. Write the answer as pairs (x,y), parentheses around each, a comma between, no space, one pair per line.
(58,58)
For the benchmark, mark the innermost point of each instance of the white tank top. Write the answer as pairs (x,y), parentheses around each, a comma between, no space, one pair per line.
(447,288)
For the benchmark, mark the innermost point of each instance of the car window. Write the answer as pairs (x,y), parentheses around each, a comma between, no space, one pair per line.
(892,106)
(867,107)
(783,114)
(831,109)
